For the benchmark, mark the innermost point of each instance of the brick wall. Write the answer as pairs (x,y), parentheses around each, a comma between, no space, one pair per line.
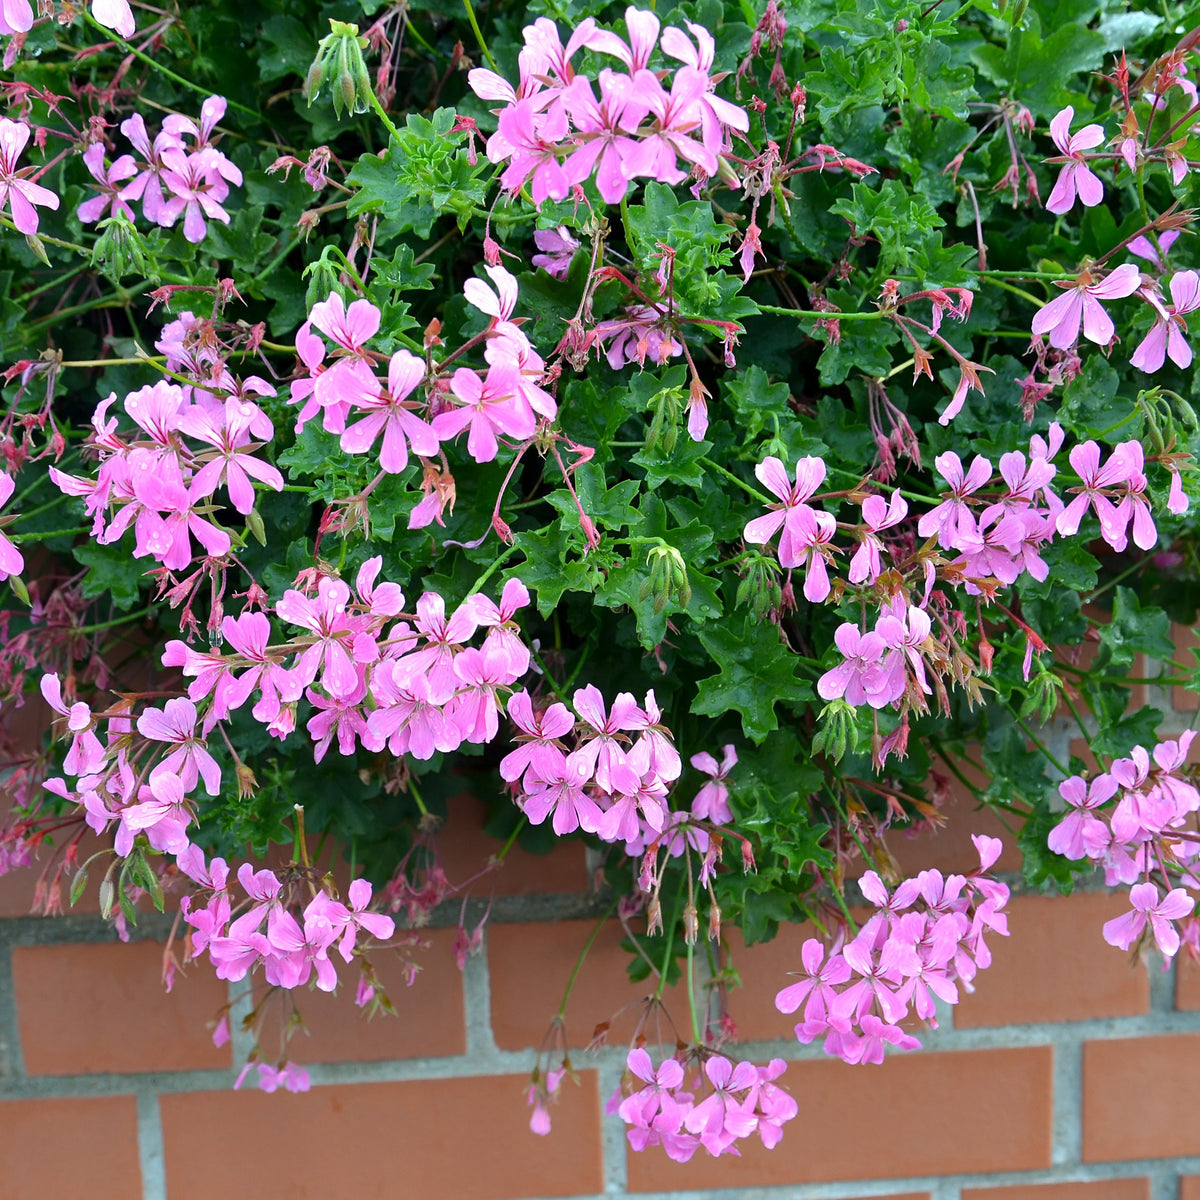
(1066,1076)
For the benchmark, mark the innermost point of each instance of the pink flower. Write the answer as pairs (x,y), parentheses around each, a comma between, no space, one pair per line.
(490,406)
(1061,317)
(387,414)
(108,179)
(1076,176)
(227,429)
(11,560)
(1123,931)
(712,800)
(557,248)
(1165,338)
(16,16)
(19,193)
(197,189)
(796,519)
(1125,462)
(115,14)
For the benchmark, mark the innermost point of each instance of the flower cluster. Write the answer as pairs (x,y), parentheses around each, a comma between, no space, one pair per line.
(555,132)
(604,782)
(504,399)
(1136,821)
(925,940)
(193,442)
(181,173)
(712,1104)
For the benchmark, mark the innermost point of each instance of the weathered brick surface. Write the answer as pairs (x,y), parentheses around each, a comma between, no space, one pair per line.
(446,1139)
(910,1114)
(84,1009)
(56,1149)
(1056,966)
(1189,1187)
(1131,1098)
(465,849)
(530,966)
(429,1021)
(1105,1189)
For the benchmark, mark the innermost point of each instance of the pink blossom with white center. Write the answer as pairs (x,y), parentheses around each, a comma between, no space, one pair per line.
(717,115)
(158,485)
(475,709)
(197,190)
(342,718)
(227,428)
(861,679)
(147,183)
(530,141)
(408,717)
(605,147)
(86,755)
(719,1119)
(157,409)
(12,562)
(539,746)
(211,112)
(794,517)
(388,414)
(1076,177)
(677,115)
(20,194)
(491,406)
(347,920)
(1161,913)
(329,653)
(162,813)
(499,302)
(712,800)
(604,752)
(299,951)
(109,180)
(1165,337)
(952,520)
(1059,320)
(1081,834)
(992,550)
(249,634)
(444,639)
(816,991)
(878,514)
(1097,482)
(556,783)
(175,723)
(498,619)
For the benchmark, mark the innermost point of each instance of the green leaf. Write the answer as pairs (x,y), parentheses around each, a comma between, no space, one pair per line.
(110,569)
(756,672)
(1134,630)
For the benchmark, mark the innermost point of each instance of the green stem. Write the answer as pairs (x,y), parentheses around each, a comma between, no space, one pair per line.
(416,795)
(125,620)
(1016,291)
(45,237)
(1041,746)
(752,491)
(512,838)
(666,962)
(691,987)
(587,946)
(387,121)
(479,35)
(52,533)
(109,35)
(497,563)
(811,314)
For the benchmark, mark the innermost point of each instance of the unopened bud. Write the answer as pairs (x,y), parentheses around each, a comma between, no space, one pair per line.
(691,923)
(714,923)
(247,785)
(748,863)
(340,64)
(654,922)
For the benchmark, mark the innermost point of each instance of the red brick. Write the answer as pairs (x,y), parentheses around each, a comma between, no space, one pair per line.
(84,1009)
(764,971)
(1189,1187)
(1130,1109)
(950,848)
(918,1114)
(1055,966)
(465,850)
(1105,1189)
(463,1139)
(1187,983)
(429,1021)
(529,967)
(61,1148)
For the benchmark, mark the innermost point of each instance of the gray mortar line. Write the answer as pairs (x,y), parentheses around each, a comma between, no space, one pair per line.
(151,1154)
(1067,1102)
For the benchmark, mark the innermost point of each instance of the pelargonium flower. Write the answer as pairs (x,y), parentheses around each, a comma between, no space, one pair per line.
(1161,914)
(1081,302)
(20,194)
(1165,338)
(794,517)
(11,560)
(117,15)
(16,16)
(1076,178)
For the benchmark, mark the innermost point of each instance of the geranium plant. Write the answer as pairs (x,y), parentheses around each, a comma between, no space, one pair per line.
(689,430)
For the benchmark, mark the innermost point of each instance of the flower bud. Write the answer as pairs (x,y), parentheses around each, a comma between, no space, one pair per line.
(691,923)
(340,65)
(838,730)
(120,249)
